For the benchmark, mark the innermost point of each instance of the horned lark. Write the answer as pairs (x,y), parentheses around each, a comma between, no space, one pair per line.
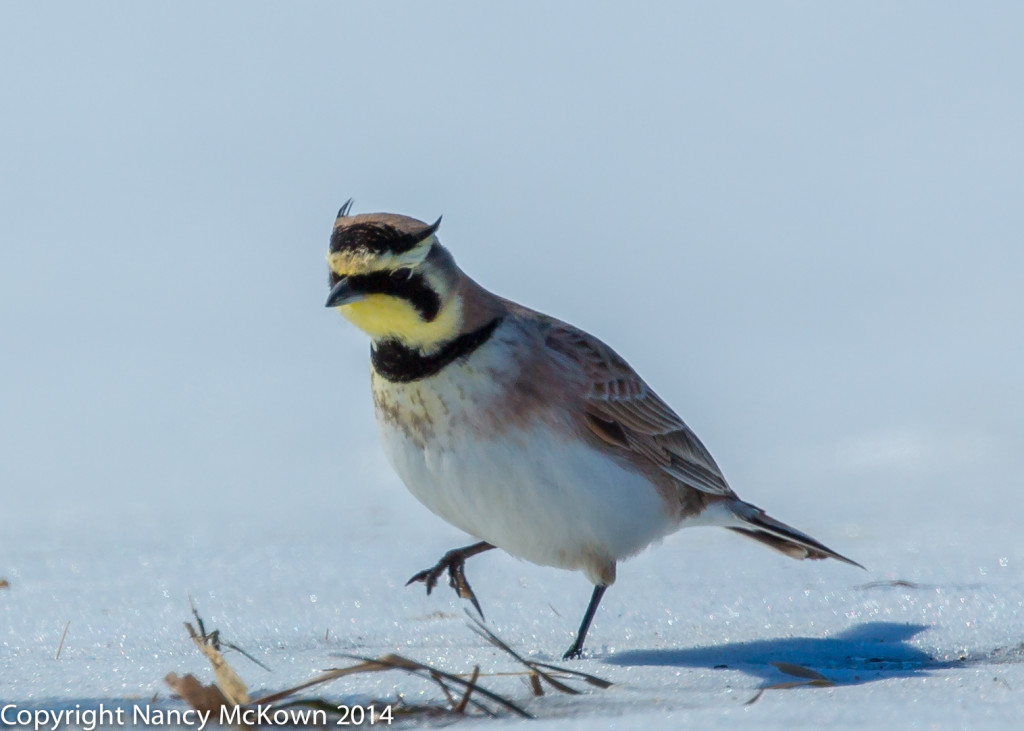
(525,432)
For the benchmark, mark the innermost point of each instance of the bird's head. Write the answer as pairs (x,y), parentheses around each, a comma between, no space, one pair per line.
(392,279)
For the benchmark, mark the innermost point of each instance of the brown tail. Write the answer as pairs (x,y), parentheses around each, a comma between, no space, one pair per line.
(760,526)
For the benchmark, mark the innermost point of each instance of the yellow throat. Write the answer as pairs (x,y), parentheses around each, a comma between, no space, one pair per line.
(382,317)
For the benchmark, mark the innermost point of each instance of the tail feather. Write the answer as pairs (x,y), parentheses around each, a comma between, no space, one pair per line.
(755,523)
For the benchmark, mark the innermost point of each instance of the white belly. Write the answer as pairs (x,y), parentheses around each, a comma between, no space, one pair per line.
(531,492)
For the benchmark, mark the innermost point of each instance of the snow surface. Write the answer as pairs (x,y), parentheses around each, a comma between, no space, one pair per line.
(687,634)
(821,204)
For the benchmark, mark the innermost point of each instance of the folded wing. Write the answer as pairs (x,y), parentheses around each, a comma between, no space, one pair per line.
(624,411)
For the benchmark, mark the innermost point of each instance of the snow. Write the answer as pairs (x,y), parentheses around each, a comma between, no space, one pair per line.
(931,634)
(800,223)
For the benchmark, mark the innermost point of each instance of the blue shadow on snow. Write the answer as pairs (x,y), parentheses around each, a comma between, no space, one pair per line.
(864,653)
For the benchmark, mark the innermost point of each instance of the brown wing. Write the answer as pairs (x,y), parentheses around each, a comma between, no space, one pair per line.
(624,411)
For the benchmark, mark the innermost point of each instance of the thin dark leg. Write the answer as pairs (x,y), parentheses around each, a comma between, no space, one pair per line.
(577,647)
(453,562)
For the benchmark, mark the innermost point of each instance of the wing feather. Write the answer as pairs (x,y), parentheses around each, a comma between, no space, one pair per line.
(624,411)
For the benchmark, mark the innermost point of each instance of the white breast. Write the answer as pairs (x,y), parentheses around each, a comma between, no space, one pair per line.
(532,490)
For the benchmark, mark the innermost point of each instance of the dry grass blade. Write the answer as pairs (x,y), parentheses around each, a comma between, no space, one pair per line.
(481,630)
(538,689)
(756,698)
(397,662)
(444,689)
(823,683)
(62,636)
(228,680)
(461,707)
(814,679)
(586,677)
(539,667)
(316,704)
(801,684)
(798,671)
(204,698)
(325,677)
(425,671)
(214,638)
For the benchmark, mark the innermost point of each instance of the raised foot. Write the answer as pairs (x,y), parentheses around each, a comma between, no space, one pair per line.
(454,563)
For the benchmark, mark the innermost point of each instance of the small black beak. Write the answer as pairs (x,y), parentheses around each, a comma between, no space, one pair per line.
(343,293)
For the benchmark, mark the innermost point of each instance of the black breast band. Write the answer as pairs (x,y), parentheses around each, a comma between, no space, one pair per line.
(399,364)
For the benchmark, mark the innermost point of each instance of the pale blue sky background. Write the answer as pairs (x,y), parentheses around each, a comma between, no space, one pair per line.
(802,222)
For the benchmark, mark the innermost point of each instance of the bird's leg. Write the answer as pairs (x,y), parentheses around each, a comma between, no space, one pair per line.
(577,647)
(453,562)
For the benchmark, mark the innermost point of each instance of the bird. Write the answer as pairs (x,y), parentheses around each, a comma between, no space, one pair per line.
(521,430)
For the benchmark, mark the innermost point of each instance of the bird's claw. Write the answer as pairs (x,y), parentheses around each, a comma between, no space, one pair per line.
(457,580)
(428,576)
(454,563)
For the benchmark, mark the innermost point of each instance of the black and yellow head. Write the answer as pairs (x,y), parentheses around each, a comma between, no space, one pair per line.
(391,278)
